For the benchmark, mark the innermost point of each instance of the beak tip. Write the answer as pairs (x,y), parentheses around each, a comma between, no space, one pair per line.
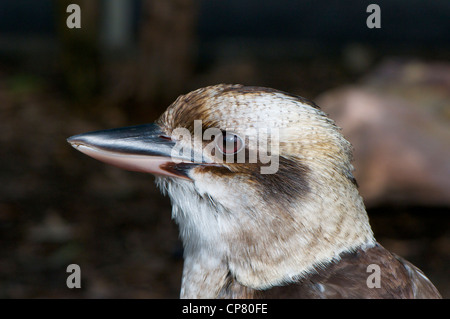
(74,141)
(71,139)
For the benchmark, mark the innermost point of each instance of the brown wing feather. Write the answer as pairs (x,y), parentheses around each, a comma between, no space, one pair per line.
(421,285)
(347,278)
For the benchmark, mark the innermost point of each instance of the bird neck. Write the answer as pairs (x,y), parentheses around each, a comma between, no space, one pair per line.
(265,246)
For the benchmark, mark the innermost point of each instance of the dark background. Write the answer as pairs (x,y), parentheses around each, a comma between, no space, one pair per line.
(132,58)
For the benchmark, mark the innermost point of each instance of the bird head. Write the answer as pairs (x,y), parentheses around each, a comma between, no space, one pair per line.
(260,180)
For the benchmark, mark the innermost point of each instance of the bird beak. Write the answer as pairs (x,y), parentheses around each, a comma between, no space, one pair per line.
(141,148)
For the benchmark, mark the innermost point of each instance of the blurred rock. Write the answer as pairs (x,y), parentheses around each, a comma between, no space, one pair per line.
(396,120)
(426,85)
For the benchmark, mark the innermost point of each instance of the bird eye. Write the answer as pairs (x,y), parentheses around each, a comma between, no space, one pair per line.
(229,143)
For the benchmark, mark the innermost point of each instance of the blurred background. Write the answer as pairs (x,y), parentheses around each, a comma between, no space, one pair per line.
(388,88)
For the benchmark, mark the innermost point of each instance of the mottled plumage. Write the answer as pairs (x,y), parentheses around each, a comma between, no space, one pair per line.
(300,232)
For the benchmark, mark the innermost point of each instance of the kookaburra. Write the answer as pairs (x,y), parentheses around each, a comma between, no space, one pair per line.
(262,189)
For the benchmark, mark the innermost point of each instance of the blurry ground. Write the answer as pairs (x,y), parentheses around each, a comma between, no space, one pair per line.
(58,207)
